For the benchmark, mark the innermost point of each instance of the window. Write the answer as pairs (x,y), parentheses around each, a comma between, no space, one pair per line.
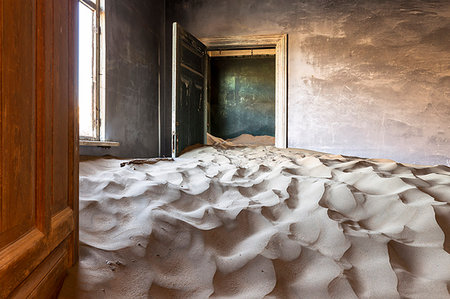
(91,69)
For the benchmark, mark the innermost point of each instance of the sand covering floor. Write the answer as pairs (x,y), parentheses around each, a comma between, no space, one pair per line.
(261,222)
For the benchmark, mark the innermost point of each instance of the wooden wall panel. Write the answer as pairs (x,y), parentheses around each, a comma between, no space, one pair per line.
(18,119)
(73,134)
(38,145)
(1,113)
(61,107)
(48,25)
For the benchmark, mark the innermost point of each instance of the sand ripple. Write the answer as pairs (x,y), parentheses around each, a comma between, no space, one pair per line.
(260,222)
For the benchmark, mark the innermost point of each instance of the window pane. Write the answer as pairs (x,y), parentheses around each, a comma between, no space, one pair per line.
(86,70)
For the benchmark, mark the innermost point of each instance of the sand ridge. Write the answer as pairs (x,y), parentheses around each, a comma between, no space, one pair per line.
(262,222)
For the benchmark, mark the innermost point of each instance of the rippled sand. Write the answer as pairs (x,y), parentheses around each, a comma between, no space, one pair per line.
(261,222)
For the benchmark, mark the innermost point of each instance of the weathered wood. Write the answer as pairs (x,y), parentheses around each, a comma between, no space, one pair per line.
(73,133)
(47,278)
(245,52)
(146,161)
(18,111)
(99,143)
(60,90)
(188,90)
(279,43)
(39,147)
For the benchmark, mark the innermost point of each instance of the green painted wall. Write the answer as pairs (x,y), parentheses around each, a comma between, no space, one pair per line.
(242,96)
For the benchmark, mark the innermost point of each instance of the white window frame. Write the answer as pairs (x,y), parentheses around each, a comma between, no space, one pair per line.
(98,113)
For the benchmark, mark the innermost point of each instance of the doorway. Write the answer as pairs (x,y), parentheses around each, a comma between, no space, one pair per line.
(262,45)
(242,93)
(191,74)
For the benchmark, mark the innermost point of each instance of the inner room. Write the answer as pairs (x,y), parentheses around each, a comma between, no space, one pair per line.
(242,99)
(224,149)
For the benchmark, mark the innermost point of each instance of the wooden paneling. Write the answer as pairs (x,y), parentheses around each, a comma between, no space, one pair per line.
(188,90)
(18,117)
(39,148)
(60,90)
(73,140)
(1,115)
(46,278)
(244,52)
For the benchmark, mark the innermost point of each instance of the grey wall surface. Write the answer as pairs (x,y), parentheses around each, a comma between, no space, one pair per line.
(366,78)
(134,41)
(242,97)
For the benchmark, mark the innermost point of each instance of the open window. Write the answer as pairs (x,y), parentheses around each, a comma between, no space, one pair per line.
(191,74)
(91,81)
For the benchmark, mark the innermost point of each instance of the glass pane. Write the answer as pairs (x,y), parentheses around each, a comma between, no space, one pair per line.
(86,60)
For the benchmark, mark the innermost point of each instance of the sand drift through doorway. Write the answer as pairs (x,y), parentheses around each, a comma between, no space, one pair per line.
(253,44)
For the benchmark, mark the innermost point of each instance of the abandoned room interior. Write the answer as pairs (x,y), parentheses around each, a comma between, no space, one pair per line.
(224,149)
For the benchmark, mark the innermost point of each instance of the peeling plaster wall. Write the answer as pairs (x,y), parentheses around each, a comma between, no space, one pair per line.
(134,41)
(365,78)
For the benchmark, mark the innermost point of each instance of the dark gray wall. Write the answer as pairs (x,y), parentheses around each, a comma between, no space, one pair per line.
(366,78)
(134,41)
(242,96)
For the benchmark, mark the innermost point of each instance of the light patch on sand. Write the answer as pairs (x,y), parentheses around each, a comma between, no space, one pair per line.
(261,222)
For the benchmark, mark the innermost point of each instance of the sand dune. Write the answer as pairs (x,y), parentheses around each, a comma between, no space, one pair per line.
(261,222)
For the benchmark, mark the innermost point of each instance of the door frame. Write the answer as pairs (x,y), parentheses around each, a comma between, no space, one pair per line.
(279,42)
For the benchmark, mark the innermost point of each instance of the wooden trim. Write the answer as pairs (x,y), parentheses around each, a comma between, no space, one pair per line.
(54,69)
(102,68)
(206,84)
(245,52)
(191,70)
(24,255)
(279,42)
(281,99)
(62,226)
(46,280)
(41,199)
(13,259)
(73,129)
(243,42)
(97,72)
(98,143)
(2,216)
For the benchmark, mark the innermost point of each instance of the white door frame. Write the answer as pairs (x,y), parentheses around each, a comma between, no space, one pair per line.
(279,42)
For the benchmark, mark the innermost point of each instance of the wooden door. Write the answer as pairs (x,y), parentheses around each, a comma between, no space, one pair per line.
(189,69)
(38,146)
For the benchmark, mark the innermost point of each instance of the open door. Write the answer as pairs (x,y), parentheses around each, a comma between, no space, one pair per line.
(38,146)
(189,79)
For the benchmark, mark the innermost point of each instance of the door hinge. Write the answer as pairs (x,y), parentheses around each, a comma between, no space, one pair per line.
(174,142)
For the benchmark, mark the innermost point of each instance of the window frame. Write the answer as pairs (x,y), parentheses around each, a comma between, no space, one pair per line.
(98,80)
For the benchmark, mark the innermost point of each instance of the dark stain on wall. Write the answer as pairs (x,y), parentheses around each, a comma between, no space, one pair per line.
(242,96)
(134,41)
(365,78)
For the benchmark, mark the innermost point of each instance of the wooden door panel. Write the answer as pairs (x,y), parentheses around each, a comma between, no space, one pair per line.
(21,257)
(61,108)
(188,90)
(18,115)
(39,145)
(48,275)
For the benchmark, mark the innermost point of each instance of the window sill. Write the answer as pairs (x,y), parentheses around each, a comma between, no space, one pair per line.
(99,143)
